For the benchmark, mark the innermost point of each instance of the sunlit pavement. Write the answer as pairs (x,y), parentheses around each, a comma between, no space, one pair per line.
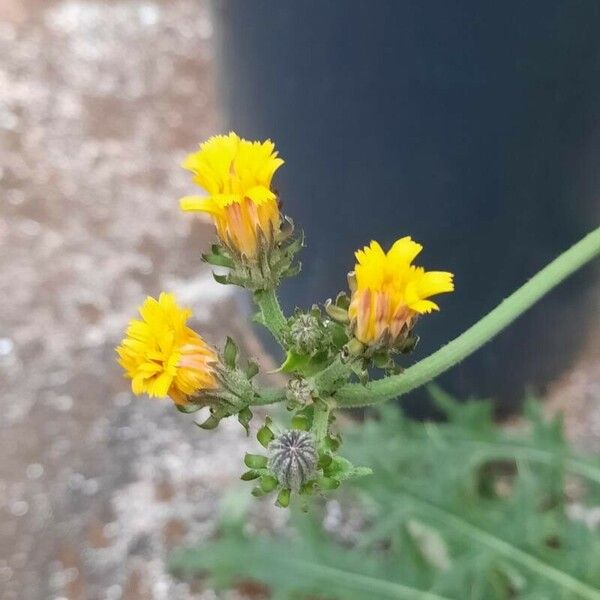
(99,102)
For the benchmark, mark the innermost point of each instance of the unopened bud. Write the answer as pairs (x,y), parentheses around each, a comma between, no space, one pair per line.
(305,333)
(299,391)
(293,458)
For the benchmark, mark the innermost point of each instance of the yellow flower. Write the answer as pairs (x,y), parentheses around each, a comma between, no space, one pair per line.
(236,174)
(163,356)
(389,292)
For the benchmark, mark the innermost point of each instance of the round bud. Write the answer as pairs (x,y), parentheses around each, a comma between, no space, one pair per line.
(299,391)
(305,332)
(293,458)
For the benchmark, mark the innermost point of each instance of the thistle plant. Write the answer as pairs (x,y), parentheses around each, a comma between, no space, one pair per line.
(330,350)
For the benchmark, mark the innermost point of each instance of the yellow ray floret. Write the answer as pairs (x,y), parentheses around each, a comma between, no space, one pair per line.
(389,291)
(164,357)
(236,174)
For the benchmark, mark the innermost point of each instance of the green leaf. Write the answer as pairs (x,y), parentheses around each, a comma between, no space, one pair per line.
(458,510)
(230,353)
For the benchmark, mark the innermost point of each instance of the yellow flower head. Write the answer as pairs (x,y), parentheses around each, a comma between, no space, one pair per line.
(163,356)
(236,174)
(389,292)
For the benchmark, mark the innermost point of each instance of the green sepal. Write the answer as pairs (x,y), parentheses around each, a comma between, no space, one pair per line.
(264,435)
(250,475)
(381,360)
(327,483)
(342,300)
(301,422)
(257,492)
(222,279)
(244,417)
(324,460)
(218,260)
(338,314)
(268,483)
(255,461)
(332,442)
(283,498)
(210,423)
(308,488)
(187,408)
(251,369)
(338,334)
(230,353)
(293,270)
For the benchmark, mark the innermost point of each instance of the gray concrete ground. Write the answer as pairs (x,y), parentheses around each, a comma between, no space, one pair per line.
(99,102)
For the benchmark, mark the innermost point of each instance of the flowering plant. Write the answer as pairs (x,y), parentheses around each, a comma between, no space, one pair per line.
(330,350)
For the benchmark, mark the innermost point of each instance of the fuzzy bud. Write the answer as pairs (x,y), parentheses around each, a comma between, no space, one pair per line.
(299,392)
(305,333)
(293,458)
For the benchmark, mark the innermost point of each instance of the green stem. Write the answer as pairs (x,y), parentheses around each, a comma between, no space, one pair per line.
(331,376)
(272,316)
(480,333)
(269,396)
(321,420)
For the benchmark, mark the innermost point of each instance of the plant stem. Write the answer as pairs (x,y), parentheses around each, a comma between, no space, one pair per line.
(273,317)
(476,336)
(326,380)
(321,420)
(269,395)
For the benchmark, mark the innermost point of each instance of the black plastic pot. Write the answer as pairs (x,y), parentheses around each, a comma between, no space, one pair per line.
(472,126)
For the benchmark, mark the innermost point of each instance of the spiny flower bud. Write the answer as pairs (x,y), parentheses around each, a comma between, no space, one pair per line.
(299,391)
(293,458)
(305,332)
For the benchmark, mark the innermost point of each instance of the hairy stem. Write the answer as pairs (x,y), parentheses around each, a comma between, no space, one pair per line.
(273,318)
(268,395)
(477,335)
(326,380)
(321,420)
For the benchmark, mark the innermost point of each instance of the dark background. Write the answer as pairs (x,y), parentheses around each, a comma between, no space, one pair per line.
(472,126)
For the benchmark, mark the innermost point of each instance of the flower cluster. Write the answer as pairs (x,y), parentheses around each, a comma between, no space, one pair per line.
(164,357)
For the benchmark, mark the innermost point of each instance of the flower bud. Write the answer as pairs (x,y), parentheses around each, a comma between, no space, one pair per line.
(293,459)
(299,392)
(305,333)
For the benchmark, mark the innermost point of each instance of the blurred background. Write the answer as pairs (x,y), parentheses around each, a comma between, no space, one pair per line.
(99,103)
